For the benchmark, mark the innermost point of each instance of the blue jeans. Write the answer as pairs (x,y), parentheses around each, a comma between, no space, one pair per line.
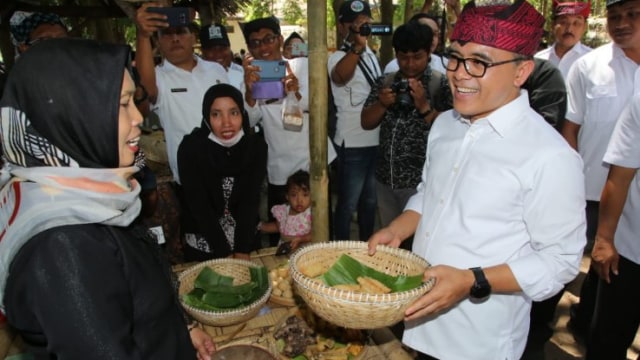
(356,190)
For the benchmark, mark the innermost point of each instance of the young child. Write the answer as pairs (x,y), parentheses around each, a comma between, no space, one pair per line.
(293,219)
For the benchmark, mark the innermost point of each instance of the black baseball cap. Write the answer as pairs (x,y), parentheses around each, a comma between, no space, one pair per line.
(350,10)
(214,34)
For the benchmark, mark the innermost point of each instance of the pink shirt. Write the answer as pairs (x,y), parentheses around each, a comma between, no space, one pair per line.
(292,225)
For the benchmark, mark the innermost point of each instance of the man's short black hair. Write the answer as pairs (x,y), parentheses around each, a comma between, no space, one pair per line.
(419,16)
(256,25)
(413,37)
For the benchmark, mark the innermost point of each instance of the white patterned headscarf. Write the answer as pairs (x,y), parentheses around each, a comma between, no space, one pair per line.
(59,130)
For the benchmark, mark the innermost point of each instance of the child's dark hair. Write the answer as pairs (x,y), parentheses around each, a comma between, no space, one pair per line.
(300,179)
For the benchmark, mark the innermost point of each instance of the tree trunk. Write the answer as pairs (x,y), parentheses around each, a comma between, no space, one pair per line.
(319,175)
(386,17)
(408,10)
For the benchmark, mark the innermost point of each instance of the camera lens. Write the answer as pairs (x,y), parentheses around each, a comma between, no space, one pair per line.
(365,29)
(403,93)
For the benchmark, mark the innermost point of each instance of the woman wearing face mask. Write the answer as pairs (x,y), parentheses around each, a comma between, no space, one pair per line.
(77,279)
(222,166)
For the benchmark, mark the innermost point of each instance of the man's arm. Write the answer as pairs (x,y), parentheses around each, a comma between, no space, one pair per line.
(614,195)
(146,24)
(570,132)
(396,232)
(344,70)
(453,285)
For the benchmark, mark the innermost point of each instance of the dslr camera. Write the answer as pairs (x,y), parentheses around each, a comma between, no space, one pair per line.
(403,92)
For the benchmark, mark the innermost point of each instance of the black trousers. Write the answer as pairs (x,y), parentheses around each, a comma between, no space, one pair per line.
(583,311)
(617,314)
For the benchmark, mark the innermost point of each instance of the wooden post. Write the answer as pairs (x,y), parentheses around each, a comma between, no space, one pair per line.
(386,47)
(317,15)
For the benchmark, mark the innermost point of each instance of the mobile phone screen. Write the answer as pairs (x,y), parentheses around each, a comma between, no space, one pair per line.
(271,69)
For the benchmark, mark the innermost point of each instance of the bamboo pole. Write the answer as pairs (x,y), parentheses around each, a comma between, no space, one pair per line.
(318,94)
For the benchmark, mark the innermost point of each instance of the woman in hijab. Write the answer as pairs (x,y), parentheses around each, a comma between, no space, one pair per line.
(222,166)
(77,279)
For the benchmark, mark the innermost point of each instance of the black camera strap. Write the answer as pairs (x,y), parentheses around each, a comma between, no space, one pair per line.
(370,74)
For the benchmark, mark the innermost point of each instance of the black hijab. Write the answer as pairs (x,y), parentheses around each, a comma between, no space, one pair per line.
(72,100)
(223,90)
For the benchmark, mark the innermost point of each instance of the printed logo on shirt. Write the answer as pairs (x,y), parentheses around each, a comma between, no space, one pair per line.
(179,90)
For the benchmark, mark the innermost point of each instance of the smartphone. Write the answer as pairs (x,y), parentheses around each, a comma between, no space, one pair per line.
(299,49)
(176,16)
(271,70)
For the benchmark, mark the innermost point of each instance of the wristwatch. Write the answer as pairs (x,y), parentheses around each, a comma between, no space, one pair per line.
(424,114)
(481,287)
(356,51)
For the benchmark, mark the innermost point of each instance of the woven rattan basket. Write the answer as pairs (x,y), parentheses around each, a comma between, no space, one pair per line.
(351,309)
(236,268)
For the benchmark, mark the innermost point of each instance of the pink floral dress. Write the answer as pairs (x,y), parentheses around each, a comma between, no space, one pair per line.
(292,225)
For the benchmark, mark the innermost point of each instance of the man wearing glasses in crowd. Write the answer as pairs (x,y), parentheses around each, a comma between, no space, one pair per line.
(502,197)
(288,151)
(177,85)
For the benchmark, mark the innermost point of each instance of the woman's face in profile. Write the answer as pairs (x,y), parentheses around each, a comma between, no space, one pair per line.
(129,118)
(225,118)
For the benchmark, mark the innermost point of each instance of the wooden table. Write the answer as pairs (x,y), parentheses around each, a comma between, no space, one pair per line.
(381,343)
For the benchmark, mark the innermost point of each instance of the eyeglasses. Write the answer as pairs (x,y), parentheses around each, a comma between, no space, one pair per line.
(474,67)
(170,31)
(267,40)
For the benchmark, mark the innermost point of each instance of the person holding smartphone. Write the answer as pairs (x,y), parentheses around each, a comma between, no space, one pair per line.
(288,151)
(294,46)
(177,85)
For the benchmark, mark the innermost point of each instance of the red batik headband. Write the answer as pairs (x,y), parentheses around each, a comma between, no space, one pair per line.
(571,8)
(516,28)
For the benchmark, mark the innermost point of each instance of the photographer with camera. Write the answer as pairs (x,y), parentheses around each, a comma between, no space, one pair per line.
(353,70)
(403,105)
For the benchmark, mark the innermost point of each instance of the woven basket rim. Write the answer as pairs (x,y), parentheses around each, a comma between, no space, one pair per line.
(224,313)
(357,297)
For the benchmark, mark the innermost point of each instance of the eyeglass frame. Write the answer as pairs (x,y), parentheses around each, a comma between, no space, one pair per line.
(448,55)
(256,43)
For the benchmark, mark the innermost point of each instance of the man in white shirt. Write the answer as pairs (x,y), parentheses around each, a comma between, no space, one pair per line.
(215,46)
(569,25)
(353,70)
(599,86)
(176,86)
(499,211)
(288,151)
(616,252)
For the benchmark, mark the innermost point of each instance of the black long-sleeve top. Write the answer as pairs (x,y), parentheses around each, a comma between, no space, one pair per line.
(203,164)
(95,292)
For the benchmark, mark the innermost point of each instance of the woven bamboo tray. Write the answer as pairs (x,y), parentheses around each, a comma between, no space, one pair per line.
(236,268)
(351,309)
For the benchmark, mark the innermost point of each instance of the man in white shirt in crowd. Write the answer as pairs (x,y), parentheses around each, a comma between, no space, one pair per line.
(215,46)
(616,252)
(288,151)
(353,70)
(499,211)
(177,85)
(569,25)
(599,85)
